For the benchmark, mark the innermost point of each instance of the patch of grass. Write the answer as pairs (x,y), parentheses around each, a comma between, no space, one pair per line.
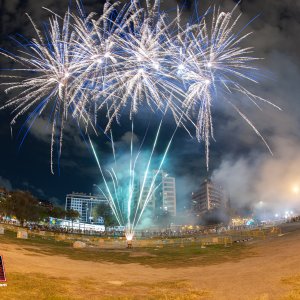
(263,297)
(33,240)
(33,286)
(171,290)
(169,256)
(38,286)
(294,284)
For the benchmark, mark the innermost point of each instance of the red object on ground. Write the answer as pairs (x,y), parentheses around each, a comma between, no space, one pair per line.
(2,270)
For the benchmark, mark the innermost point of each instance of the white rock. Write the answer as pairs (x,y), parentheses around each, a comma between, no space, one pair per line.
(79,244)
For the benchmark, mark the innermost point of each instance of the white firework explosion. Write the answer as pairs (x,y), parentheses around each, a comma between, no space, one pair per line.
(133,57)
(212,64)
(48,79)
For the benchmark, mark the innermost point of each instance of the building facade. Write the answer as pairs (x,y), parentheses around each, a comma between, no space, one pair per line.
(163,196)
(85,205)
(169,194)
(209,196)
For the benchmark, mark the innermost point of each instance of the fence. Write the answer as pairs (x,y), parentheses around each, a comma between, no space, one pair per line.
(202,240)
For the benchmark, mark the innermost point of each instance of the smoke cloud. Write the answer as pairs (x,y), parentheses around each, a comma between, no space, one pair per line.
(5,183)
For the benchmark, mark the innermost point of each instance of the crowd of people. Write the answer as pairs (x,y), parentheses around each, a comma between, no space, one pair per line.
(295,219)
(58,229)
(176,232)
(111,232)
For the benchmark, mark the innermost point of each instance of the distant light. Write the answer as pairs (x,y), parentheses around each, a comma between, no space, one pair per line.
(106,55)
(156,65)
(181,67)
(67,75)
(209,64)
(100,61)
(129,236)
(207,81)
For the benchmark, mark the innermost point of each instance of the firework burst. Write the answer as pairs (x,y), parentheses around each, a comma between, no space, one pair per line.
(129,191)
(213,64)
(140,73)
(133,57)
(97,43)
(48,79)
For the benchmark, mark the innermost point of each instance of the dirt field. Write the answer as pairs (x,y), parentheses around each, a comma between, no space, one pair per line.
(268,270)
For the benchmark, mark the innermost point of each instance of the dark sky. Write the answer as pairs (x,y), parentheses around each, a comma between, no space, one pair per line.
(238,160)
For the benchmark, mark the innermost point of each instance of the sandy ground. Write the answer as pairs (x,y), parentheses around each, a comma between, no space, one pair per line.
(248,278)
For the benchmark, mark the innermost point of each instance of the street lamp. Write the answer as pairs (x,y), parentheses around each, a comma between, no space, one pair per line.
(296,189)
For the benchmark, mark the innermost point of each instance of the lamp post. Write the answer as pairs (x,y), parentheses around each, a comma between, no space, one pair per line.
(296,191)
(262,210)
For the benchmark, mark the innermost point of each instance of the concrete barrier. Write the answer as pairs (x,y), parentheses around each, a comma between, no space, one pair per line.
(22,234)
(223,240)
(79,245)
(60,237)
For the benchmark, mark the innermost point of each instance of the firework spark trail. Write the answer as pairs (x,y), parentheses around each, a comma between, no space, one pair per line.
(114,190)
(141,75)
(52,61)
(126,61)
(213,64)
(109,197)
(89,64)
(97,43)
(142,197)
(133,57)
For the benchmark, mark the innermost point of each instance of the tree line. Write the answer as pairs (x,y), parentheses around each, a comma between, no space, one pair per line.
(26,208)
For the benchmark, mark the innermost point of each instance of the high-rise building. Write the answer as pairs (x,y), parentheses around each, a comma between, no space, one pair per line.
(85,205)
(169,194)
(163,196)
(209,196)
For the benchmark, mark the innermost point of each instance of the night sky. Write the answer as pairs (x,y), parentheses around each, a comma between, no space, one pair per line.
(238,160)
